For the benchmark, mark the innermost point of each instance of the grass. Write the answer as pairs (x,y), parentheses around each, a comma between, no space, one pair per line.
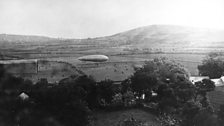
(119,67)
(124,64)
(103,118)
(216,98)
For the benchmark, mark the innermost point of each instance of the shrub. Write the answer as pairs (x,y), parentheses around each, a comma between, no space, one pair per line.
(131,122)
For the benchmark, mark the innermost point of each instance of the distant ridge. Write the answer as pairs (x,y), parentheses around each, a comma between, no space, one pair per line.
(24,38)
(147,36)
(170,34)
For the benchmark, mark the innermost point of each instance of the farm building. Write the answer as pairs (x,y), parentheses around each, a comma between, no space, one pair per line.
(219,82)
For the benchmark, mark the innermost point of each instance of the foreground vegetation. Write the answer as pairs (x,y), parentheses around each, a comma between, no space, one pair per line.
(161,87)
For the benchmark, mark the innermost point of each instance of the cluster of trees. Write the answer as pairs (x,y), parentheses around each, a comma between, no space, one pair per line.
(66,103)
(70,102)
(176,95)
(63,104)
(212,66)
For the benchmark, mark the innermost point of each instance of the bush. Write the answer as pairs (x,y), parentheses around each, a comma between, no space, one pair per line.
(117,100)
(168,120)
(131,122)
(129,99)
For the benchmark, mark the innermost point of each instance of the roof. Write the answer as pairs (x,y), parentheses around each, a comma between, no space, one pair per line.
(219,81)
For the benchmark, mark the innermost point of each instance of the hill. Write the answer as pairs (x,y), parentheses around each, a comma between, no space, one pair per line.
(162,35)
(171,35)
(24,38)
(148,36)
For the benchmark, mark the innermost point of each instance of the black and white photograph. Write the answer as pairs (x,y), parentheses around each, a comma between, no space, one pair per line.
(111,62)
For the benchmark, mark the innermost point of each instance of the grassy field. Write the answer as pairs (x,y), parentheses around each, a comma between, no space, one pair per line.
(188,60)
(216,98)
(114,118)
(119,67)
(51,70)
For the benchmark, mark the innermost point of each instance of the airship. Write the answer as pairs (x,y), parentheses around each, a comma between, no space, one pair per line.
(94,58)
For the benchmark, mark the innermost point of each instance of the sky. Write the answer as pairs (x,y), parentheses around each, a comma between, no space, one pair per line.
(96,18)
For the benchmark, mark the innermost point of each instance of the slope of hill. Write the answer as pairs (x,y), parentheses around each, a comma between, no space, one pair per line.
(157,35)
(24,38)
(153,36)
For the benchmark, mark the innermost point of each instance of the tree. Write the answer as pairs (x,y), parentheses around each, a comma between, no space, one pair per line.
(161,76)
(202,88)
(90,87)
(106,91)
(212,66)
(16,111)
(126,86)
(142,82)
(172,97)
(62,104)
(2,71)
(169,80)
(65,101)
(189,110)
(205,85)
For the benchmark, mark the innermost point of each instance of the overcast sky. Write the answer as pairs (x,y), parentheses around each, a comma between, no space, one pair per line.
(93,18)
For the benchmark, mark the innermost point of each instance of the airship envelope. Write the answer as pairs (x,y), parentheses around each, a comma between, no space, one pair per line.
(94,58)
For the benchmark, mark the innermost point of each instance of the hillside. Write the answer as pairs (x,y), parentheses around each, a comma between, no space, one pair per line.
(161,35)
(24,38)
(148,36)
(157,35)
